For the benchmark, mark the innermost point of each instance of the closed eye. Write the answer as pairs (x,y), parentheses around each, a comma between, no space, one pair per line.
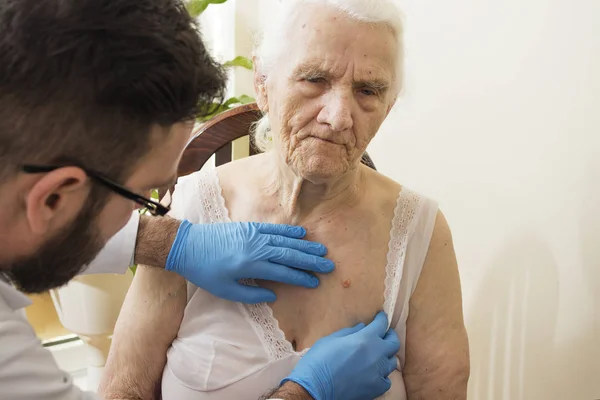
(368,92)
(315,79)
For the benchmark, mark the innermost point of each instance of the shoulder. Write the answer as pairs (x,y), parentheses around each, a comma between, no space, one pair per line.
(241,170)
(442,236)
(16,335)
(191,192)
(12,325)
(209,179)
(27,369)
(386,191)
(187,183)
(440,269)
(416,220)
(241,176)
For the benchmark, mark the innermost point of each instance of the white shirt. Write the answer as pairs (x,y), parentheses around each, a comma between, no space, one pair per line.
(28,371)
(226,350)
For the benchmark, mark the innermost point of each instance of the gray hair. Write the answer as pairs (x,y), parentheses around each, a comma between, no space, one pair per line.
(270,46)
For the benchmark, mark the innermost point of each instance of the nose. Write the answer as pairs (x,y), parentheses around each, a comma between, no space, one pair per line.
(337,111)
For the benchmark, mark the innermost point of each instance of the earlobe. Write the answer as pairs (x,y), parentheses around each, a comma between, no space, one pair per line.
(260,86)
(262,98)
(56,199)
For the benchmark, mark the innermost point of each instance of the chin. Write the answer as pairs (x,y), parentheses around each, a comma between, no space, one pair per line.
(319,169)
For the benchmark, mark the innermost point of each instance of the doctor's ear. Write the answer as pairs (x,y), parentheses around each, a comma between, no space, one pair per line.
(56,199)
(260,86)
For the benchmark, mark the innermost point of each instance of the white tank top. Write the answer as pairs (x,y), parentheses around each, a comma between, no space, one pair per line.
(227,350)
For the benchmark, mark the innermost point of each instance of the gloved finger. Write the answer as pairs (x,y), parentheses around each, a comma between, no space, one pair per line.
(291,231)
(390,365)
(387,384)
(392,342)
(304,246)
(348,331)
(378,326)
(280,273)
(300,260)
(252,295)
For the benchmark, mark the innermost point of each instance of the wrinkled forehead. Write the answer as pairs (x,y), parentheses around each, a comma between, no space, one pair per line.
(325,39)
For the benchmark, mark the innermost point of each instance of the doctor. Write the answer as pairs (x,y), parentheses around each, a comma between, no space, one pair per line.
(97,101)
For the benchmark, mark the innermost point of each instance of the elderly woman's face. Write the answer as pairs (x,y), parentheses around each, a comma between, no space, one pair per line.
(330,93)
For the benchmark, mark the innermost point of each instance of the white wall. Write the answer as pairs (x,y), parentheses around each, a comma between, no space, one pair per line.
(499,123)
(228,30)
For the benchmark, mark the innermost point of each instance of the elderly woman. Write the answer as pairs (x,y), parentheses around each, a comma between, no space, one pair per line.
(327,74)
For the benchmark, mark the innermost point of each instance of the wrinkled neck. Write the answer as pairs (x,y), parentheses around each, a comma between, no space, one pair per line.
(299,198)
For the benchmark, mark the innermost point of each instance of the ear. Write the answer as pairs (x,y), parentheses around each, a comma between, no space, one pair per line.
(56,199)
(260,86)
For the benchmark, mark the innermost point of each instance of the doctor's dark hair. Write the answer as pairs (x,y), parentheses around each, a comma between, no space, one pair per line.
(85,80)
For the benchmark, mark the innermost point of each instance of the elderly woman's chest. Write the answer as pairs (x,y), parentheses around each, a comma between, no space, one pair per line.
(353,293)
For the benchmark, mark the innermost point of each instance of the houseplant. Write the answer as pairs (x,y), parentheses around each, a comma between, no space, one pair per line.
(196,8)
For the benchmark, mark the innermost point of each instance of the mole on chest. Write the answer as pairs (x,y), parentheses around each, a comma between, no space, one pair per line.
(306,315)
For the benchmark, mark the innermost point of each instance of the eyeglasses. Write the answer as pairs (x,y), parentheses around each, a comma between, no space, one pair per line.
(154,207)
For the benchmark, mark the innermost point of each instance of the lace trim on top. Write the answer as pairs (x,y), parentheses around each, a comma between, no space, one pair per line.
(407,207)
(211,196)
(272,336)
(264,322)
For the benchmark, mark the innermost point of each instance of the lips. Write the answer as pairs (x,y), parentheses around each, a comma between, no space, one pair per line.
(326,140)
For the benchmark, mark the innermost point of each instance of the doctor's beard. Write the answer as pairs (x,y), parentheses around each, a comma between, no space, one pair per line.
(61,258)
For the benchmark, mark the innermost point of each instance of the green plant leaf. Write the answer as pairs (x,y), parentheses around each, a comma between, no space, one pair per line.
(245,99)
(239,61)
(197,7)
(209,110)
(215,109)
(231,101)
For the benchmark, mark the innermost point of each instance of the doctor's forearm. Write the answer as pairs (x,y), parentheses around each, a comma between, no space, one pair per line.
(289,391)
(155,237)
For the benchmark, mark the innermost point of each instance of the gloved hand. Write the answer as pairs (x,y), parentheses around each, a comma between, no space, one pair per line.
(216,256)
(352,364)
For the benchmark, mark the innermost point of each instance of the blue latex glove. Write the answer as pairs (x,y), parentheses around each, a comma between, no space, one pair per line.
(216,256)
(352,364)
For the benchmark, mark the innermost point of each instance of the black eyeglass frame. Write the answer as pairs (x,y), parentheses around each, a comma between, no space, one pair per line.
(154,207)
